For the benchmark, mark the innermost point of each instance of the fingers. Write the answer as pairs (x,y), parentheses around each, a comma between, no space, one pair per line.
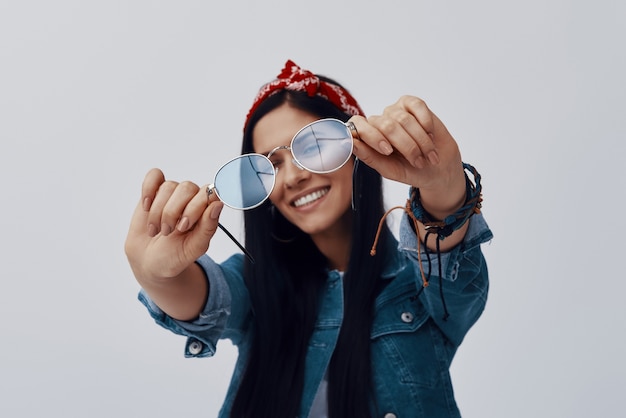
(179,206)
(407,126)
(207,224)
(418,108)
(368,134)
(199,235)
(172,215)
(168,205)
(151,183)
(156,221)
(411,115)
(195,209)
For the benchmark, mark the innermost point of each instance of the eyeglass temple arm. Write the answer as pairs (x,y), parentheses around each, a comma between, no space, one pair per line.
(241,247)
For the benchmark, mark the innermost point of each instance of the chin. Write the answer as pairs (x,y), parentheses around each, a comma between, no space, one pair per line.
(310,228)
(314,226)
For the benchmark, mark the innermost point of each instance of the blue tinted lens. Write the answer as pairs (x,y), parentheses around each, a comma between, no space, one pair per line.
(245,182)
(322,146)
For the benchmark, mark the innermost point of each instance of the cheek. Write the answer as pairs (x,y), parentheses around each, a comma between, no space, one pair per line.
(344,176)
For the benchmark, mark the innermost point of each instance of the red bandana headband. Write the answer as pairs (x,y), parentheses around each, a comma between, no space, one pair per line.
(295,78)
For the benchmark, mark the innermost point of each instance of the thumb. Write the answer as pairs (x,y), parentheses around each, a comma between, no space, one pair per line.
(388,166)
(199,238)
(365,153)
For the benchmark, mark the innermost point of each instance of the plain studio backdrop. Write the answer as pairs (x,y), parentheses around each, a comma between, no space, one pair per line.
(93,94)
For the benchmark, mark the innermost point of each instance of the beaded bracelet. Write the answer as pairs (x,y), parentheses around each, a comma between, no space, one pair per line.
(445,227)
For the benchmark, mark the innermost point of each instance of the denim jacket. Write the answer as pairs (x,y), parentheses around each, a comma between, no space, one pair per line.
(412,345)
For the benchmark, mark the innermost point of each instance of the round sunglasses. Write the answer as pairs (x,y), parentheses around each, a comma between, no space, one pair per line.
(246,181)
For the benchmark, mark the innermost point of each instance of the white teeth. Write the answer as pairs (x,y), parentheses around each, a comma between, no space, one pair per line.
(310,198)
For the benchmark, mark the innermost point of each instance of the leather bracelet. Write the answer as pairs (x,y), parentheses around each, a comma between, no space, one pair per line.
(444,228)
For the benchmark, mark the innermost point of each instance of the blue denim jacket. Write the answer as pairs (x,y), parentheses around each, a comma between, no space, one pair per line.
(412,346)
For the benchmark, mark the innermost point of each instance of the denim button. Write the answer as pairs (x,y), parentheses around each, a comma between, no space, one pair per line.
(407,317)
(390,415)
(195,347)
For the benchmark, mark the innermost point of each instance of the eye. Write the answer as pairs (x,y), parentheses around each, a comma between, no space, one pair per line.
(276,162)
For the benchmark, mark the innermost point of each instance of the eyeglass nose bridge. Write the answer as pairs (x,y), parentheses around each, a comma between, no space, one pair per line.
(288,148)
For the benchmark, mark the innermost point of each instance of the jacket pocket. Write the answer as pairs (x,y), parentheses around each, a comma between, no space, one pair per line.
(407,348)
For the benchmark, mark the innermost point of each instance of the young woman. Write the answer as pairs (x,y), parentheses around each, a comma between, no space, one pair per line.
(334,317)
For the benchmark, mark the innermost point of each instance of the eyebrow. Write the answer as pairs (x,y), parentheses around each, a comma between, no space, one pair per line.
(277,149)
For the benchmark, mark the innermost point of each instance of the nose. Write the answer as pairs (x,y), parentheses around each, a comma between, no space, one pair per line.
(292,174)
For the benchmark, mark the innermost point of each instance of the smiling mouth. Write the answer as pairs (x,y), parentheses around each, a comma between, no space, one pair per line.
(311,197)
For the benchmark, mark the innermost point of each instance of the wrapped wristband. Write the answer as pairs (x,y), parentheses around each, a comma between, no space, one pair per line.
(444,228)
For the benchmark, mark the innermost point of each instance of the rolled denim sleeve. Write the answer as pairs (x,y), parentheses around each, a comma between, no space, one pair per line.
(464,278)
(210,326)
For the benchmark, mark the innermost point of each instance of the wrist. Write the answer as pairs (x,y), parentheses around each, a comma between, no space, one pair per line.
(446,198)
(444,220)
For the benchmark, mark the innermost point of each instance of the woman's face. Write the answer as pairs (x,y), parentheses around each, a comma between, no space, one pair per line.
(315,203)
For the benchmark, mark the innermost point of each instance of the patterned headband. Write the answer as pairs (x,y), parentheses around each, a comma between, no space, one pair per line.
(295,78)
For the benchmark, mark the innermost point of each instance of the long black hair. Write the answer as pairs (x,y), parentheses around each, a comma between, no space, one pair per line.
(286,283)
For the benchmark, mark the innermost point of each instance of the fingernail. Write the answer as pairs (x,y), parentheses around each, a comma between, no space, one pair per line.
(419,162)
(152,230)
(165,229)
(146,204)
(385,147)
(216,210)
(183,224)
(433,157)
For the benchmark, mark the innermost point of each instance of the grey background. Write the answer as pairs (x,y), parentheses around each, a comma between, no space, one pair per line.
(93,94)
